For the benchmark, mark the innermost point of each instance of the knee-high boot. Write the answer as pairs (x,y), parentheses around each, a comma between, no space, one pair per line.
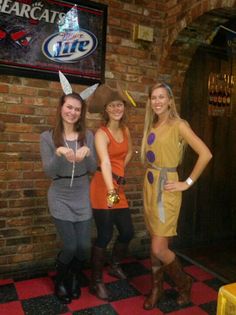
(157,284)
(61,282)
(97,286)
(118,253)
(75,271)
(181,279)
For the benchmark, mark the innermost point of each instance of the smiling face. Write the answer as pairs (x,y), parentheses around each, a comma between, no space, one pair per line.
(71,110)
(160,101)
(115,110)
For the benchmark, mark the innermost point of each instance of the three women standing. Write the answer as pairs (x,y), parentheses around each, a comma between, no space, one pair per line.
(165,137)
(68,156)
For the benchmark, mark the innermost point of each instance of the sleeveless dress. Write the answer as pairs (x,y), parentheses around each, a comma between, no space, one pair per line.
(117,152)
(163,153)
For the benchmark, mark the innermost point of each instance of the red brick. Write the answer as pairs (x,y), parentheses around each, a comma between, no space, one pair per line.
(19,184)
(22,90)
(21,258)
(35,83)
(18,128)
(10,118)
(19,222)
(29,137)
(22,203)
(4,88)
(115,40)
(22,109)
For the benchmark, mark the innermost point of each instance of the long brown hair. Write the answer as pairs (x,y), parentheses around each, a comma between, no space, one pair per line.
(79,126)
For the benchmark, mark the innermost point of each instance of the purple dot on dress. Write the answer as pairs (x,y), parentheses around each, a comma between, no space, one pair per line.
(151,138)
(150,177)
(150,156)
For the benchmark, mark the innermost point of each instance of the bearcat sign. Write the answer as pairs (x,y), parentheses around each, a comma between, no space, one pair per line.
(38,38)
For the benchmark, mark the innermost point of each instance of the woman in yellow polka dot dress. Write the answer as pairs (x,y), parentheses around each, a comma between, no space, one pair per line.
(165,135)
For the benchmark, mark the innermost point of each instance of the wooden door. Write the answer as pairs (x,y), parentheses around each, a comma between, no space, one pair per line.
(207,213)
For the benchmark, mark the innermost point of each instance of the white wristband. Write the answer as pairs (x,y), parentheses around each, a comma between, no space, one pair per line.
(189,181)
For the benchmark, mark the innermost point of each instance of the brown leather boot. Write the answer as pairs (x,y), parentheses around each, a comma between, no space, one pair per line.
(97,287)
(181,279)
(119,251)
(157,285)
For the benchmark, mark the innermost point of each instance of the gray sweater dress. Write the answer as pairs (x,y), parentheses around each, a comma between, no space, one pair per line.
(65,202)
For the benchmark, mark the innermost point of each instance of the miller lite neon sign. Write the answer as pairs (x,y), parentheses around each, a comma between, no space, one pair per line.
(70,47)
(52,35)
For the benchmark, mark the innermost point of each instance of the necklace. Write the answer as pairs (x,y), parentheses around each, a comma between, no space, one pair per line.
(73,163)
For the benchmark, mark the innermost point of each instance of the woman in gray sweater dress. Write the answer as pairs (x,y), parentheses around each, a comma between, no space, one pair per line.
(68,156)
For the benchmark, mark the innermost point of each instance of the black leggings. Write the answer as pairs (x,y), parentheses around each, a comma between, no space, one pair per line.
(105,221)
(76,238)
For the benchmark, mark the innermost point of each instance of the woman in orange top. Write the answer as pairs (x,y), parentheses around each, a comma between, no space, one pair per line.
(109,204)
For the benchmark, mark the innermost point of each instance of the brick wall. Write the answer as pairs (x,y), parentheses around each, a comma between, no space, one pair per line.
(27,107)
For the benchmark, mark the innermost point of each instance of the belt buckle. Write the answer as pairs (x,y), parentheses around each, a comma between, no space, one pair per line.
(120,180)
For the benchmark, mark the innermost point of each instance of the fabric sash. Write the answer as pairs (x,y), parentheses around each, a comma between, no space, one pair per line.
(161,182)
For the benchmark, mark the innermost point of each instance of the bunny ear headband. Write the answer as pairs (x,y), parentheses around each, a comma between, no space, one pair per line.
(67,89)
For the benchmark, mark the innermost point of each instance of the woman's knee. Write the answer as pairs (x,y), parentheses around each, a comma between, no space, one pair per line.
(84,243)
(70,248)
(103,241)
(126,237)
(165,255)
(160,247)
(157,252)
(131,234)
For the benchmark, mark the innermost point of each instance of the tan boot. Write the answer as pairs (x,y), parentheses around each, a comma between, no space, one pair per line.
(97,286)
(157,285)
(181,279)
(119,251)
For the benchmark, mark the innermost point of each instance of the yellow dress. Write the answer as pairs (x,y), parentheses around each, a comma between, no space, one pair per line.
(163,153)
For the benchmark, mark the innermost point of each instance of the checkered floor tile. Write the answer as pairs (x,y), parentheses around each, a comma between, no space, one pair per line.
(35,296)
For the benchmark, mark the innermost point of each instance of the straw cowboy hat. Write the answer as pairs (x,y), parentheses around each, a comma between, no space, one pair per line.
(104,95)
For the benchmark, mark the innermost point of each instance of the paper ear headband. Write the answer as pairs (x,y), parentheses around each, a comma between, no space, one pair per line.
(67,89)
(130,98)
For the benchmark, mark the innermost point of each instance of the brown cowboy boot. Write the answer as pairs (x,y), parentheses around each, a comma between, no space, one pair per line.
(119,251)
(97,286)
(181,279)
(157,284)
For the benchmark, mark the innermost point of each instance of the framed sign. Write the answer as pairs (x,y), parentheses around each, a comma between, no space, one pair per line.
(40,37)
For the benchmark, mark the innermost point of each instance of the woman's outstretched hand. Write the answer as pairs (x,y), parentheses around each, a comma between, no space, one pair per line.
(67,153)
(81,153)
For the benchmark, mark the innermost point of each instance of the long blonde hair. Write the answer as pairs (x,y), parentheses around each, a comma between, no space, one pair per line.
(151,118)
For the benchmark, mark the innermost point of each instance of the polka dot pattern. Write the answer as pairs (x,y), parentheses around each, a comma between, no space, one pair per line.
(150,156)
(151,138)
(150,177)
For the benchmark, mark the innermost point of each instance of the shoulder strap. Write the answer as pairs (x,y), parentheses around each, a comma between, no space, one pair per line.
(106,130)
